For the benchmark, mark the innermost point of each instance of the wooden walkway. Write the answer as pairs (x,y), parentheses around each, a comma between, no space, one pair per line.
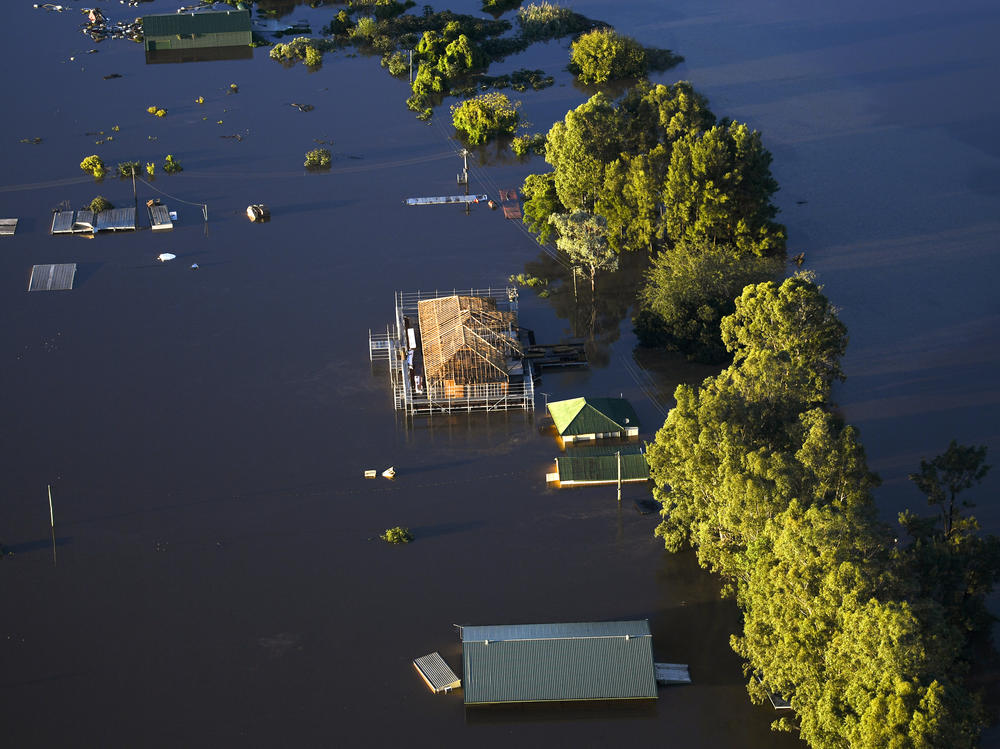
(52,277)
(159,218)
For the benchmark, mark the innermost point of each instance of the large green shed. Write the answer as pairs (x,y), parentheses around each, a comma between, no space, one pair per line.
(558,662)
(172,31)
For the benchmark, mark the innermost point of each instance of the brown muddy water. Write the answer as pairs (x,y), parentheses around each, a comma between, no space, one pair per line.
(204,431)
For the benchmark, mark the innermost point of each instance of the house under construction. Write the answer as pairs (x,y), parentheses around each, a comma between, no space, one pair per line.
(455,351)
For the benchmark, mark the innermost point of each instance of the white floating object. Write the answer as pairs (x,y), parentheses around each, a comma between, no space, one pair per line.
(370,474)
(173,215)
(194,265)
(389,472)
(165,256)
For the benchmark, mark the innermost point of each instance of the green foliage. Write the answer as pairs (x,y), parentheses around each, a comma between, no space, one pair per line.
(318,158)
(545,20)
(157,111)
(541,201)
(397,535)
(150,168)
(100,203)
(397,62)
(522,145)
(579,149)
(719,188)
(128,168)
(94,165)
(484,117)
(365,28)
(689,289)
(170,166)
(756,472)
(499,6)
(604,55)
(313,57)
(583,237)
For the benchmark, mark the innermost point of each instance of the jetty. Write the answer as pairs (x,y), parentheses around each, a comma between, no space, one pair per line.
(447,199)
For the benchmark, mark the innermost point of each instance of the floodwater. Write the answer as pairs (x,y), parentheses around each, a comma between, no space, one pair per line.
(205,431)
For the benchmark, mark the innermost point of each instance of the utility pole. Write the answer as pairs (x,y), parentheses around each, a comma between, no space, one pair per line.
(619,455)
(135,195)
(411,66)
(52,525)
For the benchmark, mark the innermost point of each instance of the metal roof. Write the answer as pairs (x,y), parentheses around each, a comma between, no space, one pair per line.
(436,672)
(555,662)
(52,277)
(601,468)
(208,22)
(592,415)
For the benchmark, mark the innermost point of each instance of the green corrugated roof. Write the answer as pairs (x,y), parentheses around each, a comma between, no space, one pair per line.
(209,22)
(553,662)
(592,415)
(597,468)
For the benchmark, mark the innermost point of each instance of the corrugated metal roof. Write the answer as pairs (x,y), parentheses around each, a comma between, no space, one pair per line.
(437,673)
(52,277)
(592,415)
(209,22)
(553,662)
(602,468)
(578,450)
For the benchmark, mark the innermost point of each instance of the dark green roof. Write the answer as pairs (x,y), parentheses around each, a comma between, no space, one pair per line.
(601,468)
(590,449)
(208,22)
(553,662)
(592,415)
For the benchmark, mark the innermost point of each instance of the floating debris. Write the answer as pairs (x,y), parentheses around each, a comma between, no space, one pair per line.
(164,257)
(50,6)
(258,213)
(233,88)
(389,473)
(34,141)
(371,473)
(237,137)
(112,76)
(194,266)
(303,107)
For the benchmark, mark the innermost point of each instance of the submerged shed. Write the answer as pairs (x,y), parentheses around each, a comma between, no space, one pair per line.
(173,31)
(52,277)
(594,470)
(436,673)
(594,418)
(558,662)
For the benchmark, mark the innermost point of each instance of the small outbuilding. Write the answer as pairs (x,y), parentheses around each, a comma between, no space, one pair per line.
(594,418)
(595,470)
(558,662)
(173,31)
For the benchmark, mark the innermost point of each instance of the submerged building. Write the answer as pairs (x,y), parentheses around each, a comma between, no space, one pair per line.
(580,419)
(574,661)
(455,351)
(205,35)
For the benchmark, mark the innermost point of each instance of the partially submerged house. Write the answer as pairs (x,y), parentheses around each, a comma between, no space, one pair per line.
(451,351)
(225,31)
(515,663)
(594,418)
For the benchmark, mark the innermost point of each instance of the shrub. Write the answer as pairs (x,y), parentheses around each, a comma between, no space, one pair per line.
(397,535)
(150,168)
(398,63)
(100,203)
(94,165)
(128,168)
(485,117)
(200,100)
(545,20)
(605,55)
(318,158)
(522,145)
(170,166)
(313,57)
(157,111)
(365,28)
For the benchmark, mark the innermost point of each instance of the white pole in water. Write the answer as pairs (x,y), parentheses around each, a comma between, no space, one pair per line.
(52,525)
(619,454)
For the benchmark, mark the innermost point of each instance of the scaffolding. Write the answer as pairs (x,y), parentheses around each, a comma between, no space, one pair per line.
(454,351)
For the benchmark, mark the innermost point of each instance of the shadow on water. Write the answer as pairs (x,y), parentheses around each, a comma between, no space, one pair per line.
(84,272)
(325,205)
(557,712)
(445,529)
(43,544)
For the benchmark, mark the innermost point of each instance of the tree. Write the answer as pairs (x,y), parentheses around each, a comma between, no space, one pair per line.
(719,189)
(94,165)
(604,55)
(540,202)
(579,149)
(689,289)
(485,117)
(100,203)
(942,479)
(583,236)
(318,158)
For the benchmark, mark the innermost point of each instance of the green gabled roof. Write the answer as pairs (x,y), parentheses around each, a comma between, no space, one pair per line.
(592,415)
(208,22)
(553,662)
(602,468)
